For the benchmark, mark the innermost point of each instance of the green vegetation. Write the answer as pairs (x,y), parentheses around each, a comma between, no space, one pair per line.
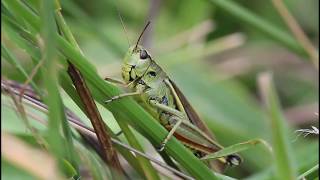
(247,74)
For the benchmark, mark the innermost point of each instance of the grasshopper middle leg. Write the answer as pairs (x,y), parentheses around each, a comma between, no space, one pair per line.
(122,96)
(177,122)
(176,119)
(119,82)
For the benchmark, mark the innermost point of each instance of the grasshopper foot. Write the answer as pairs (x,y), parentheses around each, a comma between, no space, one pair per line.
(119,133)
(161,147)
(108,101)
(112,99)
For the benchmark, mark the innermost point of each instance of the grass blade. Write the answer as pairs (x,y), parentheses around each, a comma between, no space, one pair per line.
(56,114)
(310,172)
(260,24)
(13,61)
(280,141)
(237,148)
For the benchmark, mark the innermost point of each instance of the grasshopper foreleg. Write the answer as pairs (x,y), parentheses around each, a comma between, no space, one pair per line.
(119,82)
(122,96)
(116,81)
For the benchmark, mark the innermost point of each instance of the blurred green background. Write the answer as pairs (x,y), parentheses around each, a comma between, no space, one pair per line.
(214,57)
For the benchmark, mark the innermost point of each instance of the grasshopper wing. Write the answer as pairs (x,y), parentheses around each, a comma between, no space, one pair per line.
(232,159)
(191,113)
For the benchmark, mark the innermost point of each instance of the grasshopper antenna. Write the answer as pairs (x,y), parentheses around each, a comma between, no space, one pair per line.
(124,28)
(144,29)
(122,24)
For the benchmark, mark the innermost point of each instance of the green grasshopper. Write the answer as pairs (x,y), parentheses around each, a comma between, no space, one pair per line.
(159,95)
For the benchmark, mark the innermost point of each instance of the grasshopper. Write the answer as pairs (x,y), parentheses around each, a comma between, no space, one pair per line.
(160,96)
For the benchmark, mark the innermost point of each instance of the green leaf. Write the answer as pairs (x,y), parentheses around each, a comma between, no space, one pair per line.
(311,173)
(280,141)
(57,119)
(10,171)
(237,148)
(260,24)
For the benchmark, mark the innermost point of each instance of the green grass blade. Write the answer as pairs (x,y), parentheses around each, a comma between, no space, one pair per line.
(310,172)
(280,141)
(21,11)
(13,61)
(56,114)
(236,148)
(260,24)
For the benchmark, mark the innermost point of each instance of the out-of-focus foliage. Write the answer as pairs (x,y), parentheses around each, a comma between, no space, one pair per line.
(213,56)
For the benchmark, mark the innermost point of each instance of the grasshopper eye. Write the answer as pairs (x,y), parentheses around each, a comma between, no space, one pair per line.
(144,54)
(152,73)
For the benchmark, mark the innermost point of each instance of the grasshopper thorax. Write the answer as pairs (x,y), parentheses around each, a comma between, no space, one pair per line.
(136,63)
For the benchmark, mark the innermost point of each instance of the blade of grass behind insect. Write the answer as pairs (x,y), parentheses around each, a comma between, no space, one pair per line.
(236,148)
(283,157)
(56,114)
(260,24)
(304,161)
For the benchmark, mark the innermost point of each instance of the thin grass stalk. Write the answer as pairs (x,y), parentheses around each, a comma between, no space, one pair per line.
(283,158)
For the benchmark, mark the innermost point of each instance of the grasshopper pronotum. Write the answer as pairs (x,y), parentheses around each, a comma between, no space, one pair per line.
(162,99)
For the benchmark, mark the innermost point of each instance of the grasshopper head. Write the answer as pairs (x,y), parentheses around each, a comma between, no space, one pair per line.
(136,63)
